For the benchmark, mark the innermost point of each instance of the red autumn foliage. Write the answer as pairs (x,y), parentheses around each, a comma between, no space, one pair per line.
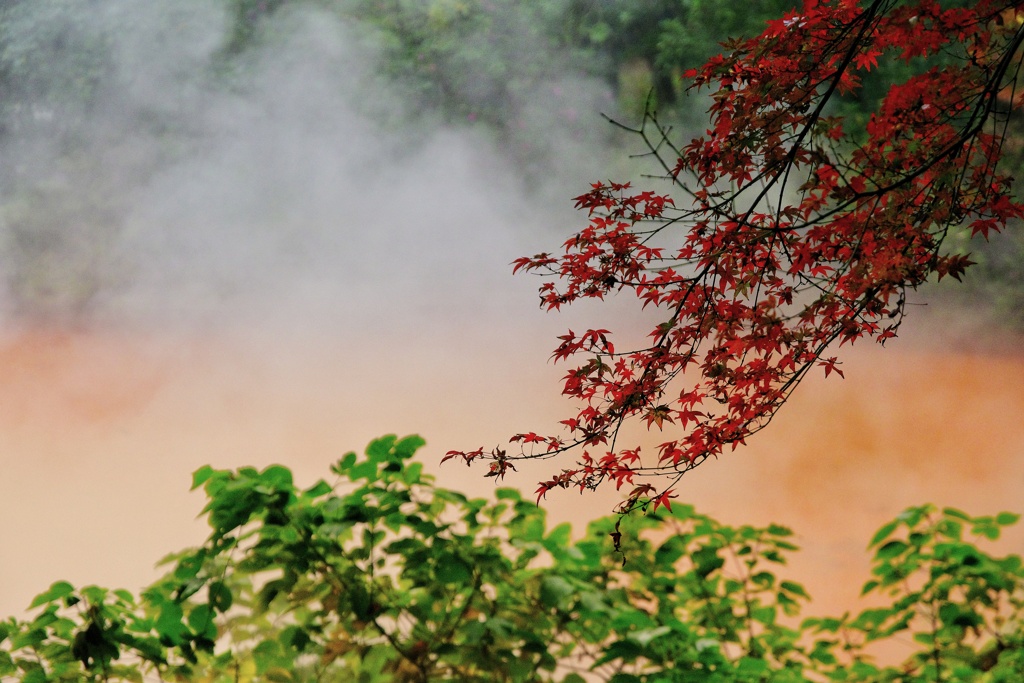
(789,231)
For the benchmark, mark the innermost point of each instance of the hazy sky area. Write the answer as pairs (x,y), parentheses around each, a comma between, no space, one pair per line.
(280,265)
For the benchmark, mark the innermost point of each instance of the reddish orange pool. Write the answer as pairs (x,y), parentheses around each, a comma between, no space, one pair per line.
(100,431)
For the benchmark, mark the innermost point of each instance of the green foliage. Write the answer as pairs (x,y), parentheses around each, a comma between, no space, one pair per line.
(479,58)
(245,19)
(694,30)
(961,606)
(383,576)
(486,61)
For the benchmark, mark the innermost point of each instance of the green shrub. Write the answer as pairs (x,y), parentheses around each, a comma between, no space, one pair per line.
(384,576)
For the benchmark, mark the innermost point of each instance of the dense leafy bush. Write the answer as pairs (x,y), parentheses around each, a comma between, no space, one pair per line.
(384,576)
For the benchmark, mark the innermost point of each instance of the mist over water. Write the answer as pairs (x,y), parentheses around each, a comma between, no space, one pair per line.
(271,258)
(196,190)
(281,260)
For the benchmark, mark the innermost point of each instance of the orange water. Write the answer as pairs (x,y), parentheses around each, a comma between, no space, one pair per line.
(99,433)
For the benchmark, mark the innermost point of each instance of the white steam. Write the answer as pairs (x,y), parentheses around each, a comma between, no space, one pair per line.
(290,182)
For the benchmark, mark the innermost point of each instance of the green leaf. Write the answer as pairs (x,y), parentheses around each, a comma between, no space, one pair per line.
(413,473)
(822,653)
(57,590)
(30,638)
(379,450)
(318,489)
(948,528)
(362,603)
(890,550)
(364,470)
(765,615)
(295,637)
(953,614)
(558,538)
(346,462)
(189,566)
(707,560)
(751,666)
(270,590)
(871,619)
(278,674)
(883,533)
(35,676)
(958,514)
(599,32)
(267,654)
(277,476)
(1007,518)
(645,636)
(94,594)
(703,644)
(794,589)
(670,551)
(593,602)
(625,678)
(825,624)
(530,529)
(200,476)
(168,623)
(452,570)
(188,589)
(200,619)
(626,650)
(553,590)
(500,628)
(220,596)
(408,446)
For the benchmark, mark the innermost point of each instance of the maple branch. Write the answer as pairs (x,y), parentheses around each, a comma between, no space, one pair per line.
(767,276)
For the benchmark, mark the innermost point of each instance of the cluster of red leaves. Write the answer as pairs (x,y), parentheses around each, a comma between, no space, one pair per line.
(796,233)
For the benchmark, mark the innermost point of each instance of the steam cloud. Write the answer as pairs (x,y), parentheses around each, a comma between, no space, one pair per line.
(269,257)
(288,182)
